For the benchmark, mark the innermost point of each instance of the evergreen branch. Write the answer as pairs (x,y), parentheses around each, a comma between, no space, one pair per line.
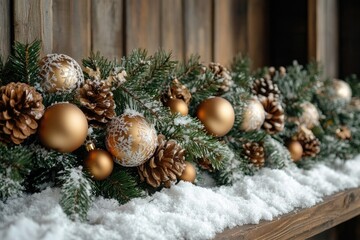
(96,61)
(23,64)
(76,193)
(120,185)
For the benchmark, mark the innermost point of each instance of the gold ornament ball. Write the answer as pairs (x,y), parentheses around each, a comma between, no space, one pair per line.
(178,106)
(131,139)
(60,72)
(310,115)
(342,90)
(217,115)
(63,127)
(189,173)
(253,117)
(99,163)
(295,149)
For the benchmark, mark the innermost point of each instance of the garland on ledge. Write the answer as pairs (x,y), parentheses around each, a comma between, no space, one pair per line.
(161,121)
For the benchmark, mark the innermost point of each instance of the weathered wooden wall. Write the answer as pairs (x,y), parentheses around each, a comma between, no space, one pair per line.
(215,29)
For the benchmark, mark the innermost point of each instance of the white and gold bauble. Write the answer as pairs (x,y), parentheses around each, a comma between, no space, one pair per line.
(131,139)
(342,90)
(310,115)
(59,73)
(253,116)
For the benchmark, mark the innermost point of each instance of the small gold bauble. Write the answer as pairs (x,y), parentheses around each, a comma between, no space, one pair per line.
(99,164)
(310,115)
(217,115)
(178,106)
(295,149)
(131,139)
(63,127)
(60,72)
(253,117)
(342,90)
(189,173)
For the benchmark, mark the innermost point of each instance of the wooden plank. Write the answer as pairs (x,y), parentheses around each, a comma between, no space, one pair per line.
(230,29)
(72,28)
(258,35)
(323,21)
(198,29)
(107,28)
(143,25)
(172,34)
(34,20)
(303,223)
(5,26)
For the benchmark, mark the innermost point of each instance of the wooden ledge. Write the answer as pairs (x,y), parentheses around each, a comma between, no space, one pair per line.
(303,223)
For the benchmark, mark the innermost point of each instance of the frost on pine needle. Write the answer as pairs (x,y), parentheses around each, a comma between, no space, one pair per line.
(9,187)
(76,194)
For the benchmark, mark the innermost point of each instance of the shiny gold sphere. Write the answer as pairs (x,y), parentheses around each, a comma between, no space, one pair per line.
(295,149)
(189,173)
(310,115)
(99,164)
(253,117)
(178,106)
(217,115)
(342,90)
(131,139)
(60,72)
(63,127)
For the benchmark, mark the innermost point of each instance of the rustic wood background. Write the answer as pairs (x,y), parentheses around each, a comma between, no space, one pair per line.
(215,29)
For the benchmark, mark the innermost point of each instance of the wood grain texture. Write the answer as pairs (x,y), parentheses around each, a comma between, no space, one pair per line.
(198,29)
(143,25)
(304,223)
(230,29)
(258,33)
(107,28)
(72,28)
(5,26)
(34,21)
(172,29)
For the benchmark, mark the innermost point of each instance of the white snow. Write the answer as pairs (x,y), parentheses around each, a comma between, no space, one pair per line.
(184,211)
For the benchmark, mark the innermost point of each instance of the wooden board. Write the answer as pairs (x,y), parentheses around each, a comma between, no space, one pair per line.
(198,18)
(304,223)
(143,25)
(33,20)
(172,28)
(107,28)
(5,26)
(72,28)
(230,29)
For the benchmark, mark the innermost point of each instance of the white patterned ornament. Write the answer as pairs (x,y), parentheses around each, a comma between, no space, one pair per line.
(131,139)
(253,117)
(60,72)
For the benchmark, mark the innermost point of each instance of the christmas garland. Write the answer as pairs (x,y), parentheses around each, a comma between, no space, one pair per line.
(129,128)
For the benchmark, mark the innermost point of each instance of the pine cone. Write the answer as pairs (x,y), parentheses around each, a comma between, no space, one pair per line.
(167,163)
(97,102)
(205,164)
(274,115)
(222,76)
(255,152)
(265,87)
(343,133)
(177,91)
(20,106)
(307,139)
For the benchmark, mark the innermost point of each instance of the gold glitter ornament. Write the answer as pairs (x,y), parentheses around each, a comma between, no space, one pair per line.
(60,72)
(131,139)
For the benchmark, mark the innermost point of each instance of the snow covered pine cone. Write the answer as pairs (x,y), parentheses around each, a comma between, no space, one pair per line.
(222,75)
(265,87)
(307,139)
(21,107)
(167,163)
(274,114)
(255,152)
(178,91)
(97,101)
